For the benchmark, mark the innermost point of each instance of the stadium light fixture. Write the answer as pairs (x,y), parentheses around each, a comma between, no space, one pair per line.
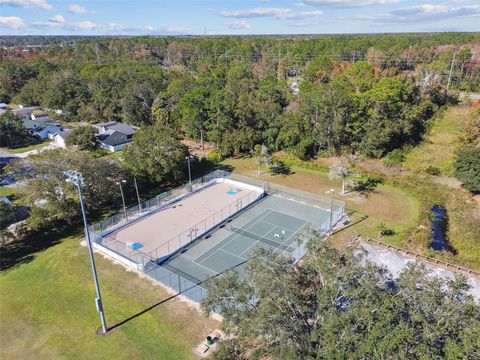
(76,178)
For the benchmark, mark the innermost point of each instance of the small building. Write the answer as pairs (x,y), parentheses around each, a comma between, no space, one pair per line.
(42,127)
(25,113)
(60,138)
(113,136)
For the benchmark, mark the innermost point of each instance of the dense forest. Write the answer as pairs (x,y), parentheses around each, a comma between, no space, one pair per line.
(308,95)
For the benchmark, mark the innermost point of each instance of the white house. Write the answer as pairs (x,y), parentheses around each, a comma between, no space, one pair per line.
(113,136)
(60,138)
(42,127)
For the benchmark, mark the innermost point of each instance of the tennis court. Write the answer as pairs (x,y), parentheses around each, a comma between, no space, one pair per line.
(274,222)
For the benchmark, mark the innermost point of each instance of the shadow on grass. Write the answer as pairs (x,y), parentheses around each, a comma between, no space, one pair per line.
(23,251)
(151,307)
(367,187)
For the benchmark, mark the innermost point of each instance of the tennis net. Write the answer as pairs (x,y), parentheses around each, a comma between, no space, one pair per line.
(260,238)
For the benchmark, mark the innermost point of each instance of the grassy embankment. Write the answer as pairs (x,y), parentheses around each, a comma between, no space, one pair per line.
(440,144)
(47,311)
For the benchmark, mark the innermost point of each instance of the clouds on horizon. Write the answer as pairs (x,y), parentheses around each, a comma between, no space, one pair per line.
(422,13)
(40,4)
(316,16)
(11,22)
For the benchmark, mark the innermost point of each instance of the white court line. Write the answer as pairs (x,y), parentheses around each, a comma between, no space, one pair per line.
(302,202)
(221,248)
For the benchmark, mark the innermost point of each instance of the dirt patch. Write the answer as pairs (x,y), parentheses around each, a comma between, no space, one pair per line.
(196,148)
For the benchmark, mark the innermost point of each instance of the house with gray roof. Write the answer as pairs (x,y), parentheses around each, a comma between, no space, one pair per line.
(60,138)
(114,136)
(42,127)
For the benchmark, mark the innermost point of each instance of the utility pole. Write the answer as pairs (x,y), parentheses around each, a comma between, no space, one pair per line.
(201,139)
(451,69)
(138,195)
(76,178)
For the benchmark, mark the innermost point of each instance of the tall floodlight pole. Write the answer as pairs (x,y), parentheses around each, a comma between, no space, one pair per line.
(76,178)
(330,192)
(120,183)
(188,157)
(138,195)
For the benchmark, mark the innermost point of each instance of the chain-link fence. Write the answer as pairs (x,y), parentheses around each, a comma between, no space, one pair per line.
(152,204)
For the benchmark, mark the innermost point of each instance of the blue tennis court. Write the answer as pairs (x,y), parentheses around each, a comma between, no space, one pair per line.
(264,231)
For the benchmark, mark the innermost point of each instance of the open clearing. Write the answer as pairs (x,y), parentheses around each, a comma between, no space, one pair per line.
(47,312)
(439,145)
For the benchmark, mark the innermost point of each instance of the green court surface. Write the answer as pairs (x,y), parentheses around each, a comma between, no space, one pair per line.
(274,222)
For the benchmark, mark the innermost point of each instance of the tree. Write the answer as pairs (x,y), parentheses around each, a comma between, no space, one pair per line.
(156,154)
(261,156)
(337,305)
(50,198)
(84,138)
(12,132)
(343,170)
(472,128)
(467,167)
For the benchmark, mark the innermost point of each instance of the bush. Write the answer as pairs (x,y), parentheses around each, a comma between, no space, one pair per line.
(278,167)
(433,170)
(215,156)
(384,231)
(467,168)
(394,158)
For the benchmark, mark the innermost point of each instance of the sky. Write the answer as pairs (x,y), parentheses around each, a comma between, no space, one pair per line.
(241,17)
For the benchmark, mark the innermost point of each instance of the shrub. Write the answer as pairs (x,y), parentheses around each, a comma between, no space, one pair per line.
(394,158)
(278,167)
(384,231)
(215,156)
(433,170)
(467,168)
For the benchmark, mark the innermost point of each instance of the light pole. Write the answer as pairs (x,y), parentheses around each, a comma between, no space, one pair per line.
(330,192)
(138,195)
(76,178)
(188,157)
(120,183)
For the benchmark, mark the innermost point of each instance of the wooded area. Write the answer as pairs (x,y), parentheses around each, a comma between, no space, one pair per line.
(308,95)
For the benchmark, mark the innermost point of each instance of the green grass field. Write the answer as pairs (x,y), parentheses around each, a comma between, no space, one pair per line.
(7,190)
(48,312)
(26,148)
(440,144)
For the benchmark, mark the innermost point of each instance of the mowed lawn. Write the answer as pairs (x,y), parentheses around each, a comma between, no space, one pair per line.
(48,312)
(387,205)
(26,148)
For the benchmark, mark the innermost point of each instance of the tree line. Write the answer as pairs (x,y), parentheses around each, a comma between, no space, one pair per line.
(236,92)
